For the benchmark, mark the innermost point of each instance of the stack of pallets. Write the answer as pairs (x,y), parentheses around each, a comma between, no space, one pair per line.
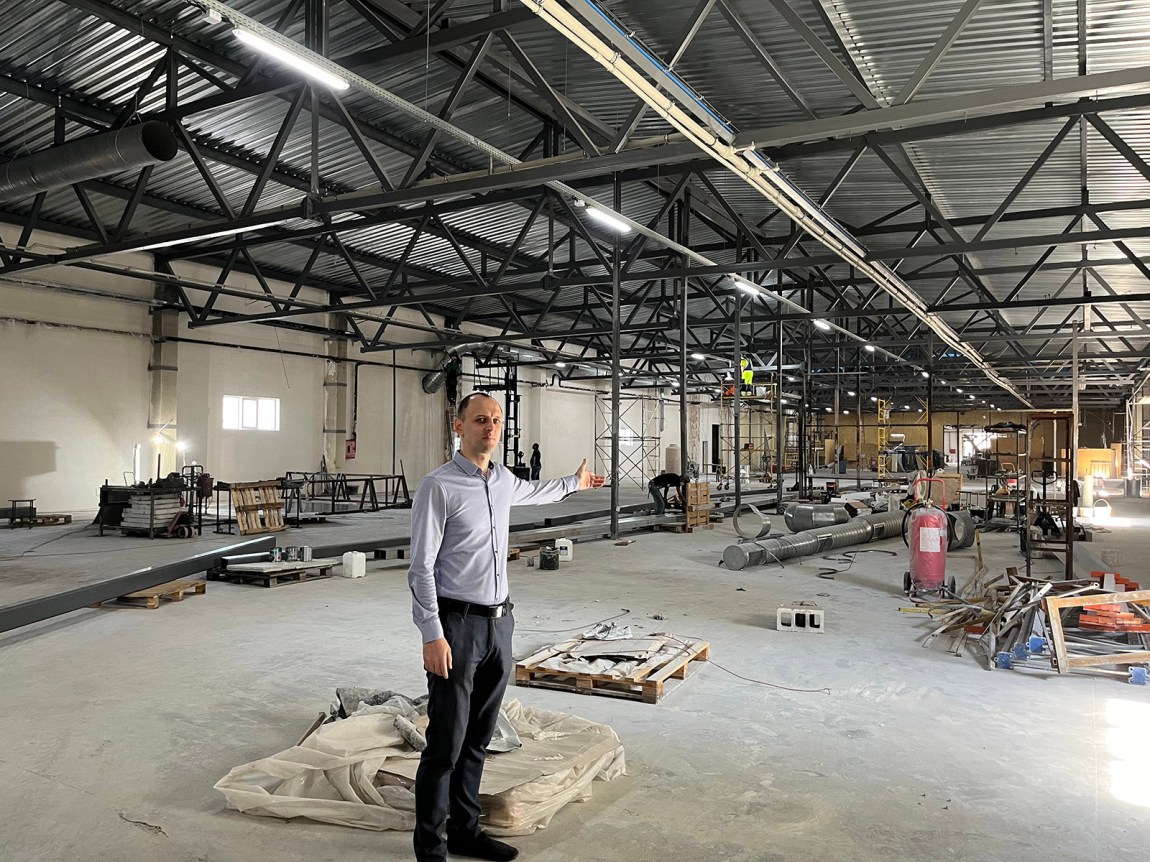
(152,513)
(698,506)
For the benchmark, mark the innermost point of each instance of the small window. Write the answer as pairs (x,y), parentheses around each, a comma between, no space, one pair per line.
(251,414)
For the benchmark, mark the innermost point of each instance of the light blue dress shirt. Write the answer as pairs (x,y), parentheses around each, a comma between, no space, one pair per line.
(459,524)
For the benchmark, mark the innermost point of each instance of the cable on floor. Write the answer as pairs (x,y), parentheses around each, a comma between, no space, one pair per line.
(574,628)
(747,678)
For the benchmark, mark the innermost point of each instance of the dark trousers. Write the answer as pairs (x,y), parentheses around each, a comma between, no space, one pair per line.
(535,472)
(659,497)
(462,711)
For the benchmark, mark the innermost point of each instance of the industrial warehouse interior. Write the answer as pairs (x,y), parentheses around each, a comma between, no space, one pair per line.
(843,301)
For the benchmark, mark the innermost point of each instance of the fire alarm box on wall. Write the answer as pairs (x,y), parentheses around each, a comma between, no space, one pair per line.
(349,449)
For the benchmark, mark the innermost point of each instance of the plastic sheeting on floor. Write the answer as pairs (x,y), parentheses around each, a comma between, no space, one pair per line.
(358,772)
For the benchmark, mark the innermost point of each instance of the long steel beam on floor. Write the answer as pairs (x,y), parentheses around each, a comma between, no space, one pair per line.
(45,607)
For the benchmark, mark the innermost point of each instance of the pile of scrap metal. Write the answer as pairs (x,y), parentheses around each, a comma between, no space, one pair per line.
(1097,625)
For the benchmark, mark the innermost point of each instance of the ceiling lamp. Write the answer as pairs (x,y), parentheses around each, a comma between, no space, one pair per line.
(231,231)
(288,57)
(822,324)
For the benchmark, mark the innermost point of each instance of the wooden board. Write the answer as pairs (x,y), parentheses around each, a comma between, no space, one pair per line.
(645,683)
(173,591)
(271,579)
(269,567)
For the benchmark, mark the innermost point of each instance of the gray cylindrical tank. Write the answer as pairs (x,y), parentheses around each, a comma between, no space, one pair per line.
(865,528)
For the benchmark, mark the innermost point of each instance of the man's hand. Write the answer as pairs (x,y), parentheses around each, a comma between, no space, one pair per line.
(437,657)
(586,478)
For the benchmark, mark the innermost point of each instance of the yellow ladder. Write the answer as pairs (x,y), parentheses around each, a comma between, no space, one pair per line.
(883,437)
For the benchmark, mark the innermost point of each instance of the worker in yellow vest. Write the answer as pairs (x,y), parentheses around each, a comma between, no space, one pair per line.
(748,376)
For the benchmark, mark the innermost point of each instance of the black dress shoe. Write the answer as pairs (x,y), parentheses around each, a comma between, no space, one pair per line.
(481,846)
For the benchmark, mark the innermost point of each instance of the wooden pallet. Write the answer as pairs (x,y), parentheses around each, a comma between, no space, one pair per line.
(173,591)
(512,554)
(273,578)
(681,528)
(646,682)
(42,520)
(259,507)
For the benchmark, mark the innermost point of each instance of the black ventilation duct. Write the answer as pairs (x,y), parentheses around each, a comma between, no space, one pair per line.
(129,148)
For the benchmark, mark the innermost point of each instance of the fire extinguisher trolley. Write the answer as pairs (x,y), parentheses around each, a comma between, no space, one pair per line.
(926,532)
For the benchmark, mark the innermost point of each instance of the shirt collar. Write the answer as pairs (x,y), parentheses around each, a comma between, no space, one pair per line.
(468,467)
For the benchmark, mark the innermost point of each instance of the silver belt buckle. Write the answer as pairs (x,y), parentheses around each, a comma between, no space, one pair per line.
(499,610)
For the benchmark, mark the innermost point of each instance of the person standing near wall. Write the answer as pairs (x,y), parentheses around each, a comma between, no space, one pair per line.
(536,461)
(461,605)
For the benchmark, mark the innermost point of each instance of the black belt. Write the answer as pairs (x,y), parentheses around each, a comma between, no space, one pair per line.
(454,606)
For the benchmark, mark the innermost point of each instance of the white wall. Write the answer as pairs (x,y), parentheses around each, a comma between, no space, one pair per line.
(72,401)
(79,400)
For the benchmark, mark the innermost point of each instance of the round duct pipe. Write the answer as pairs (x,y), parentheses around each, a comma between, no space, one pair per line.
(863,529)
(809,516)
(748,521)
(433,381)
(130,148)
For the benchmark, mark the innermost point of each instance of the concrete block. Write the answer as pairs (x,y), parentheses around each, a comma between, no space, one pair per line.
(800,617)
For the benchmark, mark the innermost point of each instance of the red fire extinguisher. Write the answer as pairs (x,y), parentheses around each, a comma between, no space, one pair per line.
(926,532)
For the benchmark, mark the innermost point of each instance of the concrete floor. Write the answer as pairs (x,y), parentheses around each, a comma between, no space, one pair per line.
(116,722)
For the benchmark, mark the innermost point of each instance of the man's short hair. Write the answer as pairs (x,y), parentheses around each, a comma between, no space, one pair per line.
(461,407)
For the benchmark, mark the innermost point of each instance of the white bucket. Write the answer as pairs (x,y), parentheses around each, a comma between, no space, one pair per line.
(566,549)
(354,564)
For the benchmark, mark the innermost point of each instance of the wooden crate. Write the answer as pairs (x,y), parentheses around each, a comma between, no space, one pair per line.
(645,683)
(259,507)
(173,591)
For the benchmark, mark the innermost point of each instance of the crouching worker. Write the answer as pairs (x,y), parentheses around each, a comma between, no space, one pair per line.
(660,489)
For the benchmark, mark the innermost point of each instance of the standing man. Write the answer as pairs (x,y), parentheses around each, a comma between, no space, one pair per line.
(536,461)
(460,603)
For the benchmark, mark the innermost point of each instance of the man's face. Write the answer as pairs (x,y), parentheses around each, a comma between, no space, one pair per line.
(480,427)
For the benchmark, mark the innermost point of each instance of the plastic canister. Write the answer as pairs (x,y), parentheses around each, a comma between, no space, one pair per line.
(549,558)
(354,564)
(566,549)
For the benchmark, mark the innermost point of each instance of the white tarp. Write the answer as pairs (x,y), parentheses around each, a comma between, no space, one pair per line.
(358,772)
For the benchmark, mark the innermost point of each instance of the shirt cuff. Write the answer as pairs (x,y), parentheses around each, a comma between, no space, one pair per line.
(432,630)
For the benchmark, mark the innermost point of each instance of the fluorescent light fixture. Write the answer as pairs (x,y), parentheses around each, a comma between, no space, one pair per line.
(560,364)
(822,324)
(290,58)
(943,382)
(828,410)
(869,348)
(698,356)
(971,397)
(846,412)
(790,379)
(919,409)
(851,393)
(228,232)
(874,398)
(959,391)
(607,220)
(906,407)
(926,374)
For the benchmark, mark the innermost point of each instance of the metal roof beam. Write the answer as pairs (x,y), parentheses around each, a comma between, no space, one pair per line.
(954,107)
